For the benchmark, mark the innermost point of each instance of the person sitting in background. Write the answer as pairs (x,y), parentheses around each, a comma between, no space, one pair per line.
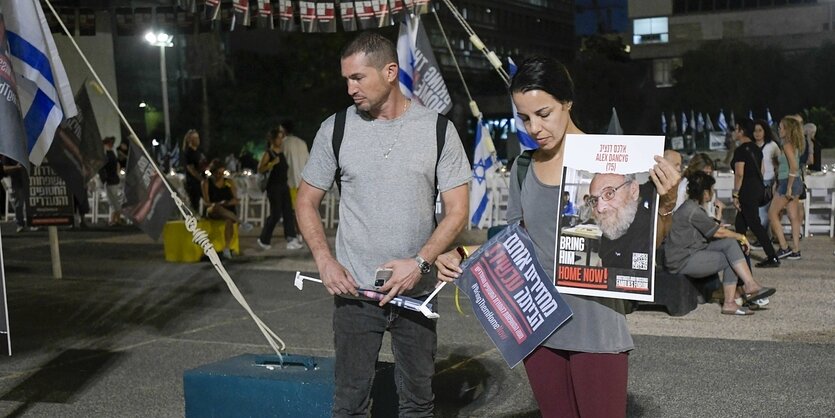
(700,162)
(697,246)
(585,212)
(221,197)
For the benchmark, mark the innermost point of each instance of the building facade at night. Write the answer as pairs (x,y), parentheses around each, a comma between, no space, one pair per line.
(663,30)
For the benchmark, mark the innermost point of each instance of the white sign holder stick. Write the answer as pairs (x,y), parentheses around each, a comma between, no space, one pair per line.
(422,308)
(425,309)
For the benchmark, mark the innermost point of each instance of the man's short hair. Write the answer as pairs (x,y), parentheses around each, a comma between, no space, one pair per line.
(379,50)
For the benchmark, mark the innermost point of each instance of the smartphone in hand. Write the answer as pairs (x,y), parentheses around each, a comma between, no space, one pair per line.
(381,276)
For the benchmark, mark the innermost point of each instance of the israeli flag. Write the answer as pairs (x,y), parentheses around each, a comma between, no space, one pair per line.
(709,123)
(723,125)
(700,125)
(526,142)
(419,73)
(45,94)
(484,164)
(663,123)
(683,123)
(768,117)
(692,121)
(750,114)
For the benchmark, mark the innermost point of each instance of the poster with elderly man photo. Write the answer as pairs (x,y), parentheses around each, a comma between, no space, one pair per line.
(605,243)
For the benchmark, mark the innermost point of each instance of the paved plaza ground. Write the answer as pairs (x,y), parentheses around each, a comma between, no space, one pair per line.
(114,336)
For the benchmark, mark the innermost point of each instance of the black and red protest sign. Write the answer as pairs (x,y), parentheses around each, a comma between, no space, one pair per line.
(512,296)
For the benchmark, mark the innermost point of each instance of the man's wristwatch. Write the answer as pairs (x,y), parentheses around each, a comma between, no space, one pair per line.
(423,265)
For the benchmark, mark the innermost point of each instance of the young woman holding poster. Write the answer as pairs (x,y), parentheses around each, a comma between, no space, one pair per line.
(581,370)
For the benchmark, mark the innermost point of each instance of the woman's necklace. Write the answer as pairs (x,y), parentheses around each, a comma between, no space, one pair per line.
(399,129)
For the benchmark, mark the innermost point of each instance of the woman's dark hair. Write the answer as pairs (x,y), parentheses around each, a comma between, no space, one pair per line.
(747,127)
(272,134)
(769,136)
(697,183)
(215,164)
(546,74)
(288,126)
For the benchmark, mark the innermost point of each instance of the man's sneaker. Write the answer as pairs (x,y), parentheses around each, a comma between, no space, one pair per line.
(262,245)
(769,262)
(246,227)
(226,254)
(294,244)
(300,239)
(755,245)
(783,252)
(795,255)
(20,228)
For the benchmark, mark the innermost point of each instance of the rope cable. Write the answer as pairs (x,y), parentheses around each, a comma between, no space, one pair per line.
(200,237)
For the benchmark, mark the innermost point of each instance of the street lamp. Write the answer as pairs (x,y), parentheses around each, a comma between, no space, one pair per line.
(162,40)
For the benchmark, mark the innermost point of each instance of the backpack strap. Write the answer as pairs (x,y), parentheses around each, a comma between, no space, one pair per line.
(336,141)
(440,139)
(523,162)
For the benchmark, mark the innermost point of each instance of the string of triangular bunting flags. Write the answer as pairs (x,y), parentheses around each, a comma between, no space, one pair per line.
(313,16)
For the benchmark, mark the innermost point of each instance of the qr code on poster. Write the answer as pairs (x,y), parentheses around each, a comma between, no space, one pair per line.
(639,261)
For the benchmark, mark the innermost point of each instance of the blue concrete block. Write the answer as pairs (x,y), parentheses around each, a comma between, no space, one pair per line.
(253,385)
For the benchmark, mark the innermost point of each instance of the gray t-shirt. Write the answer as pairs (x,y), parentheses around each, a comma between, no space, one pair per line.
(691,230)
(386,206)
(598,324)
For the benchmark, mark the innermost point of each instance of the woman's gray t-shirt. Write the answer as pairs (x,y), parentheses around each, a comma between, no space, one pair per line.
(598,324)
(689,233)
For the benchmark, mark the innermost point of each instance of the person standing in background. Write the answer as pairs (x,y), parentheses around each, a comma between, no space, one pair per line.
(297,154)
(764,139)
(748,189)
(20,190)
(814,160)
(274,165)
(194,162)
(109,175)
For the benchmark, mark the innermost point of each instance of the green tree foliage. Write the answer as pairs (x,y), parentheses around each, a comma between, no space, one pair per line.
(605,78)
(738,77)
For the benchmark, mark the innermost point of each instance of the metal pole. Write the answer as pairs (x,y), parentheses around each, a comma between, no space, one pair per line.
(164,80)
(54,252)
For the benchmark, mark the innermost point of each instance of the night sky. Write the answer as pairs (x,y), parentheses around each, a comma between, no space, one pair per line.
(587,18)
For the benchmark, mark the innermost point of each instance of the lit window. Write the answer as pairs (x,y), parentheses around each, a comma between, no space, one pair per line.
(652,30)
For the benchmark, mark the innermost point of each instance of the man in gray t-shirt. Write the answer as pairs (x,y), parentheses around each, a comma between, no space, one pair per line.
(387,159)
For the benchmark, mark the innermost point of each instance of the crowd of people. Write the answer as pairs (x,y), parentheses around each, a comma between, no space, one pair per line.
(582,368)
(279,171)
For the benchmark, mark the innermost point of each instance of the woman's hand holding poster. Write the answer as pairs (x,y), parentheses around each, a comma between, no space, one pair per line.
(512,296)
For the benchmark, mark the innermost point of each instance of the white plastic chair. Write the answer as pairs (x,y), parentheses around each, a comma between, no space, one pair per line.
(819,209)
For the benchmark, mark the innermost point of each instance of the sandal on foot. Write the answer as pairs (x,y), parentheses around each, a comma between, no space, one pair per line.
(760,294)
(742,311)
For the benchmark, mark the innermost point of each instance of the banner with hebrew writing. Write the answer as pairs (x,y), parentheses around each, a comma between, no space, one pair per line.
(511,295)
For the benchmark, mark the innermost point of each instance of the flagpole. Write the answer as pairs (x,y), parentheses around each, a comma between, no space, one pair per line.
(473,106)
(201,238)
(476,41)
